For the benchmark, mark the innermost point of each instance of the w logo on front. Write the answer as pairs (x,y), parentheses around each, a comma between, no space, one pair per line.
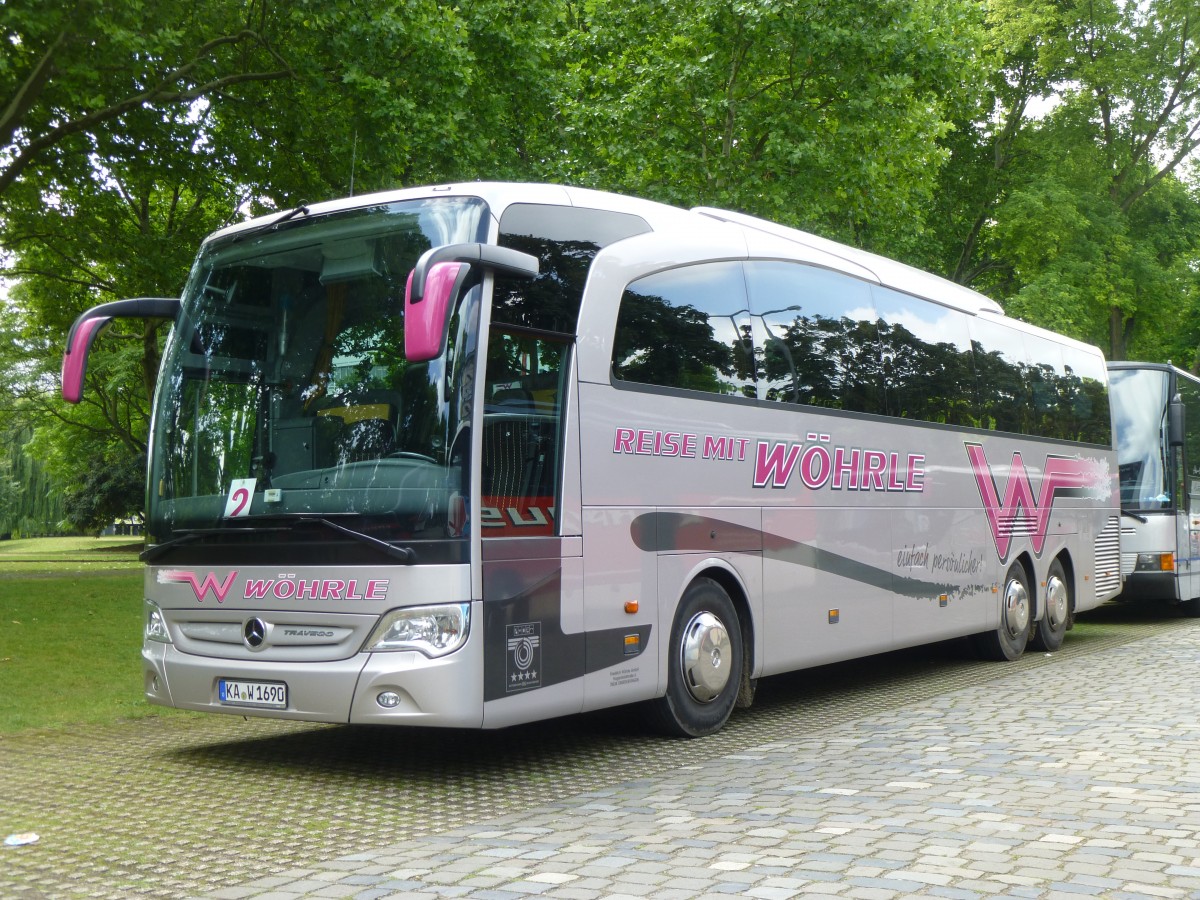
(200,587)
(1022,512)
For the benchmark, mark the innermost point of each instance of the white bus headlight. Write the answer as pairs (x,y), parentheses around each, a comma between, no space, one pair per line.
(155,626)
(432,630)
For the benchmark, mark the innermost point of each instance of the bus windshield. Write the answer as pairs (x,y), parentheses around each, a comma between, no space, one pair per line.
(1139,410)
(285,394)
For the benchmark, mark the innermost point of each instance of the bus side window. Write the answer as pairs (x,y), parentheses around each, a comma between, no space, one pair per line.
(529,345)
(816,338)
(1083,398)
(687,328)
(1001,389)
(1189,392)
(927,358)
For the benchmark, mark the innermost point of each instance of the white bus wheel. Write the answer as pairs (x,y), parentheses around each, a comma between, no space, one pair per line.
(705,663)
(1008,641)
(1052,627)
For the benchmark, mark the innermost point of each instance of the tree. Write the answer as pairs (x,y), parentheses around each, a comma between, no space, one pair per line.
(1067,194)
(120,162)
(818,114)
(73,71)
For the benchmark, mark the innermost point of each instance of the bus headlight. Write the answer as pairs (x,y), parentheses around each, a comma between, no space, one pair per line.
(1155,562)
(155,626)
(432,630)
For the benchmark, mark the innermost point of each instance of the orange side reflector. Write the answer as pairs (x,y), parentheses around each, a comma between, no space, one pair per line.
(631,606)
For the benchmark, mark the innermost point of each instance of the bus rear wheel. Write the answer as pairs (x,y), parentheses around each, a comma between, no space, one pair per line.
(1052,627)
(1008,641)
(704,673)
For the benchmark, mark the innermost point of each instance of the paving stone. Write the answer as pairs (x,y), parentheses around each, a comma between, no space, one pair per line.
(927,781)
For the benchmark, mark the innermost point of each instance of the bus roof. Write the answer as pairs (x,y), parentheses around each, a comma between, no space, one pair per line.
(889,272)
(663,217)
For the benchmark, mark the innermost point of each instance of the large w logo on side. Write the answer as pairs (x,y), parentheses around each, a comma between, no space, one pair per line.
(1020,513)
(199,588)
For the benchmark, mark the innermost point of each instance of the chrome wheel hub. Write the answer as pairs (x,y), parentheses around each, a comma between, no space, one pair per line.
(1016,607)
(1056,602)
(705,657)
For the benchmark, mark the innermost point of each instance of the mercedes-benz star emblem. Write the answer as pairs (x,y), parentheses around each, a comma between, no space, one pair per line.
(255,632)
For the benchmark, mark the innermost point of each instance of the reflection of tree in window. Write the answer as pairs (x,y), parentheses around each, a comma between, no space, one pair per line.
(1000,390)
(550,301)
(925,380)
(660,343)
(820,361)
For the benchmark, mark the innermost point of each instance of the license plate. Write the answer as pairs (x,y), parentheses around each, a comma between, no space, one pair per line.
(270,694)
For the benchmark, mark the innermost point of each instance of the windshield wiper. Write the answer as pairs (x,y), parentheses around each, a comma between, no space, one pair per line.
(152,553)
(1133,515)
(404,554)
(274,224)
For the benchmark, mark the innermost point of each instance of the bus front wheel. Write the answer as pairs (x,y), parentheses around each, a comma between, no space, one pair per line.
(705,663)
(1008,641)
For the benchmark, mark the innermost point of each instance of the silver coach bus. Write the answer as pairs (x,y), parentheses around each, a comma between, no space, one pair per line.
(482,454)
(1156,416)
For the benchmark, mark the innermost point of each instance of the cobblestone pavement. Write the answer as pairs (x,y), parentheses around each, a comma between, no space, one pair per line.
(1082,779)
(922,773)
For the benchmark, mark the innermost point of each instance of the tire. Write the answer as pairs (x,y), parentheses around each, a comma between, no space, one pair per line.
(1056,613)
(1190,608)
(705,660)
(1008,641)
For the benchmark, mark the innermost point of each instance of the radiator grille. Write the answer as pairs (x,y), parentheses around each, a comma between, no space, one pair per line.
(1108,560)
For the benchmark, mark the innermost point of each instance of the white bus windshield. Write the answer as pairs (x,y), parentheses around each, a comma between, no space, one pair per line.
(285,394)
(1139,410)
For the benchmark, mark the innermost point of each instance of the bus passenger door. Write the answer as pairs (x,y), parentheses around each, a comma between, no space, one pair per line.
(532,573)
(1187,492)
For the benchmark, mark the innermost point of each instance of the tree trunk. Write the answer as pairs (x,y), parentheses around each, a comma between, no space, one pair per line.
(1116,333)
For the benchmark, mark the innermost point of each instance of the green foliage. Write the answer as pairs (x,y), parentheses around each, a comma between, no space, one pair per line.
(116,489)
(1035,149)
(1067,195)
(767,107)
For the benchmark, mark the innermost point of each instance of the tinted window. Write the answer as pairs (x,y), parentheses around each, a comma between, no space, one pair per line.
(529,346)
(927,359)
(1045,379)
(687,328)
(816,341)
(565,240)
(1001,394)
(1189,393)
(1083,397)
(792,333)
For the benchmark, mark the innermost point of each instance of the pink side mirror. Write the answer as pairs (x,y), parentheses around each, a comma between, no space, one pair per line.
(91,323)
(425,321)
(74,364)
(434,286)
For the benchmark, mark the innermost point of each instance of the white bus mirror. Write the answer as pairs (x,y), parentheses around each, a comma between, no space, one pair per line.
(434,286)
(83,333)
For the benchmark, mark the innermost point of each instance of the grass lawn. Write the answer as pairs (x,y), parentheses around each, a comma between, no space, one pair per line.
(70,633)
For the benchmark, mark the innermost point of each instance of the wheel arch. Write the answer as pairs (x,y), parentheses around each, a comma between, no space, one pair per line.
(734,583)
(728,579)
(1067,562)
(1025,560)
